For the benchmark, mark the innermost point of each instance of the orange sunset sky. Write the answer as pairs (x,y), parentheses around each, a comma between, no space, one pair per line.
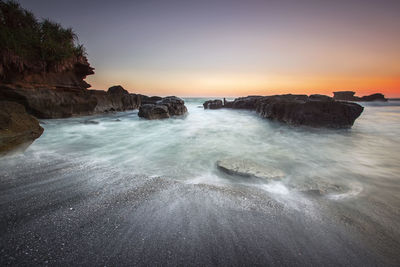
(237,48)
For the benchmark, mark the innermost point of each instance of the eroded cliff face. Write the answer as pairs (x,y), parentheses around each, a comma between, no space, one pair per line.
(18,129)
(59,90)
(16,72)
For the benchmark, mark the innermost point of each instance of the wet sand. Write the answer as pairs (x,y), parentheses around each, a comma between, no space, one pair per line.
(58,213)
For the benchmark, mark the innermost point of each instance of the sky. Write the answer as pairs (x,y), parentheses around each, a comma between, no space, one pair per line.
(236,48)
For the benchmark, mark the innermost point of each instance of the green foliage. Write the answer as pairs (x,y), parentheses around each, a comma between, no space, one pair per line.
(22,34)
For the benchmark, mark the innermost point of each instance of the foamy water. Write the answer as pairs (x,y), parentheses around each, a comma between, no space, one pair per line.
(188,148)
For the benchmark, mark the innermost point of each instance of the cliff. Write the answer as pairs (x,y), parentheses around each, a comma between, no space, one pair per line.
(43,68)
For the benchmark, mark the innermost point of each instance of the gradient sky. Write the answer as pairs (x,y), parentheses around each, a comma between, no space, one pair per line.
(233,48)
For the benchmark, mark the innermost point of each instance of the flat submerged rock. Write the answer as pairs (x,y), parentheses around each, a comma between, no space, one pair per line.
(248,168)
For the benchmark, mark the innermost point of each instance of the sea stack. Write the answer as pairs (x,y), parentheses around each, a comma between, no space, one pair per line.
(297,110)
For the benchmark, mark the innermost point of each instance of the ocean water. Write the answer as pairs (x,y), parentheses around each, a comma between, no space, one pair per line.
(364,156)
(349,176)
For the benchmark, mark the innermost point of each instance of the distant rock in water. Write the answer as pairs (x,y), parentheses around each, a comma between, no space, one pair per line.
(163,108)
(247,168)
(313,110)
(349,96)
(213,104)
(18,129)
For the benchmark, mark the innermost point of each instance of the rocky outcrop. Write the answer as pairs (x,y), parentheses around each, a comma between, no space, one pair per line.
(247,168)
(373,97)
(153,112)
(248,102)
(46,103)
(164,108)
(313,110)
(213,104)
(349,96)
(149,99)
(115,99)
(18,129)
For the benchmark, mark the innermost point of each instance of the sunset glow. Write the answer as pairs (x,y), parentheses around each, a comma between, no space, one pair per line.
(233,48)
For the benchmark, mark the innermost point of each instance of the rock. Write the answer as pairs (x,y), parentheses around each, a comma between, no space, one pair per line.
(163,108)
(149,99)
(247,168)
(316,187)
(117,89)
(18,129)
(248,102)
(374,97)
(309,112)
(313,110)
(345,96)
(349,96)
(46,103)
(176,106)
(212,104)
(153,112)
(115,99)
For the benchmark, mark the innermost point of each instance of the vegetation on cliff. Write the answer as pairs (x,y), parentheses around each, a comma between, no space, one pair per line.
(27,43)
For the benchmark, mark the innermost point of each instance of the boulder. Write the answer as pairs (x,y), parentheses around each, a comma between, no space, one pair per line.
(213,104)
(18,129)
(312,112)
(248,102)
(247,168)
(176,106)
(117,89)
(164,108)
(373,97)
(115,99)
(317,186)
(153,111)
(149,99)
(345,96)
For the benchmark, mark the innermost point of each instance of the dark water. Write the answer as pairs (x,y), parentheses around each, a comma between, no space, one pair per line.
(130,191)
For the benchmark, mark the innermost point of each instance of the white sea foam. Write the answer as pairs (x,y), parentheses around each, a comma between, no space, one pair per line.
(187,148)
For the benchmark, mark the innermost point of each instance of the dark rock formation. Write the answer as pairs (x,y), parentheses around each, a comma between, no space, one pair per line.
(153,111)
(51,103)
(18,129)
(164,108)
(66,102)
(115,99)
(213,104)
(374,97)
(314,110)
(349,96)
(149,99)
(309,112)
(248,102)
